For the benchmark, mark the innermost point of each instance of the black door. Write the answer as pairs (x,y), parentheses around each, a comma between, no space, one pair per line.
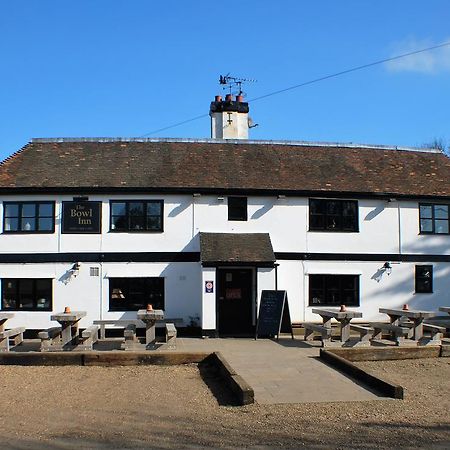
(235,302)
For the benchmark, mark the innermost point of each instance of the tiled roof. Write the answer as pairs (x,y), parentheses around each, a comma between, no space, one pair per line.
(220,165)
(236,248)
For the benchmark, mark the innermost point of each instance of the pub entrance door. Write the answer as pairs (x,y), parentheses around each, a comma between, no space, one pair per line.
(235,302)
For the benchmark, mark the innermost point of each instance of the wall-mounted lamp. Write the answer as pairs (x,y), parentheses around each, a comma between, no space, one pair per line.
(220,199)
(75,269)
(387,267)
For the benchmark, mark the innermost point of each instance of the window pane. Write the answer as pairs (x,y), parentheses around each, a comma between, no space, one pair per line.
(317,207)
(11,224)
(131,294)
(441,226)
(43,294)
(153,223)
(9,297)
(46,224)
(11,210)
(28,224)
(119,223)
(136,208)
(426,225)
(334,223)
(317,222)
(136,223)
(29,210)
(26,297)
(334,207)
(349,208)
(426,211)
(118,209)
(338,289)
(441,211)
(153,209)
(237,208)
(46,210)
(349,223)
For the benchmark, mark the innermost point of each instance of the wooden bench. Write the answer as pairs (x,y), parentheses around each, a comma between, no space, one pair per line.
(365,333)
(50,338)
(14,334)
(171,335)
(398,333)
(131,341)
(311,328)
(437,332)
(123,323)
(89,337)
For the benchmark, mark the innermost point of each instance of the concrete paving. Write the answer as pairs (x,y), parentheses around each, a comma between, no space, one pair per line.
(284,371)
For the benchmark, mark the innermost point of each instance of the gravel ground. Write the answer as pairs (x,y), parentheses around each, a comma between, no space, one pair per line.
(172,407)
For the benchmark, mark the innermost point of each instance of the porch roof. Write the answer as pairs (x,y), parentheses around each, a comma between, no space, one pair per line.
(236,248)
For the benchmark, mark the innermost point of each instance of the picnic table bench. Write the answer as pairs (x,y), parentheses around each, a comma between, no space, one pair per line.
(6,336)
(398,333)
(50,339)
(311,328)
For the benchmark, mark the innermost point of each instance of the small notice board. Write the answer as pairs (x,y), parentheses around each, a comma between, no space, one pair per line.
(273,317)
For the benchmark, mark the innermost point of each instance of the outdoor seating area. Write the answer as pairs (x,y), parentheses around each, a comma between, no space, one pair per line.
(67,336)
(404,327)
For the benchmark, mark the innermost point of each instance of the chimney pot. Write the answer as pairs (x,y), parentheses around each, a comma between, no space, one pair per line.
(239,98)
(228,98)
(218,98)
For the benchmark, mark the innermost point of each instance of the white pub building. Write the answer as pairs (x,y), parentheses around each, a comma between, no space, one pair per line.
(199,227)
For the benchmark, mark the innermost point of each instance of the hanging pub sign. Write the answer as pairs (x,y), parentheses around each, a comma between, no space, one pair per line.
(81,217)
(273,317)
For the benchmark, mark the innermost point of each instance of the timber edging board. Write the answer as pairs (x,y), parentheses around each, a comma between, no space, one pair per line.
(241,389)
(377,383)
(387,353)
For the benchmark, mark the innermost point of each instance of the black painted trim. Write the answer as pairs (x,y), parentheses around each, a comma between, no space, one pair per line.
(195,257)
(290,256)
(214,191)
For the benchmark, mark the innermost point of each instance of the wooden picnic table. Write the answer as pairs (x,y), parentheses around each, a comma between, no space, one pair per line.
(150,318)
(416,316)
(69,326)
(3,318)
(343,317)
(445,309)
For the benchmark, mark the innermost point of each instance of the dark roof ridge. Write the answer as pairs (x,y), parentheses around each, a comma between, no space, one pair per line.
(56,140)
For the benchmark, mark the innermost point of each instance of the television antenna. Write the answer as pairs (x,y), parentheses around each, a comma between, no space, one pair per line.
(231,83)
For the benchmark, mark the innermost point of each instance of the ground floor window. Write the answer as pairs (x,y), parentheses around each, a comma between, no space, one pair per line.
(333,290)
(424,279)
(131,294)
(27,294)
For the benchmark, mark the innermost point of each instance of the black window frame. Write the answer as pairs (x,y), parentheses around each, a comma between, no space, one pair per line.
(126,286)
(325,280)
(4,281)
(237,208)
(36,217)
(420,277)
(433,218)
(144,216)
(324,203)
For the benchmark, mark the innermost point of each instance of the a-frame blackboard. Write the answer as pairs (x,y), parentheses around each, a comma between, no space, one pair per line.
(273,317)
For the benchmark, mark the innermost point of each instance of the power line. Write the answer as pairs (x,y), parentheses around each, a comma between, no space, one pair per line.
(306,83)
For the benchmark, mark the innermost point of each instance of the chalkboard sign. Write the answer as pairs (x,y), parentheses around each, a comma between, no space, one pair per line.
(273,317)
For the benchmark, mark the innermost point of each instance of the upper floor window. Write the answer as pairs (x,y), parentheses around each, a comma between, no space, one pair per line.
(237,208)
(27,294)
(28,217)
(333,290)
(434,218)
(136,215)
(333,215)
(424,279)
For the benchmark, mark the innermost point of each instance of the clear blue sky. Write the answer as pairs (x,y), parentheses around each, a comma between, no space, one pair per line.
(126,68)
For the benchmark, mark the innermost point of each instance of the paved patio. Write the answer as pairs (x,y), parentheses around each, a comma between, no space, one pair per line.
(284,371)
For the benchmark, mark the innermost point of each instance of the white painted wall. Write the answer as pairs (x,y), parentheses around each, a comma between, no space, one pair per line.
(385,227)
